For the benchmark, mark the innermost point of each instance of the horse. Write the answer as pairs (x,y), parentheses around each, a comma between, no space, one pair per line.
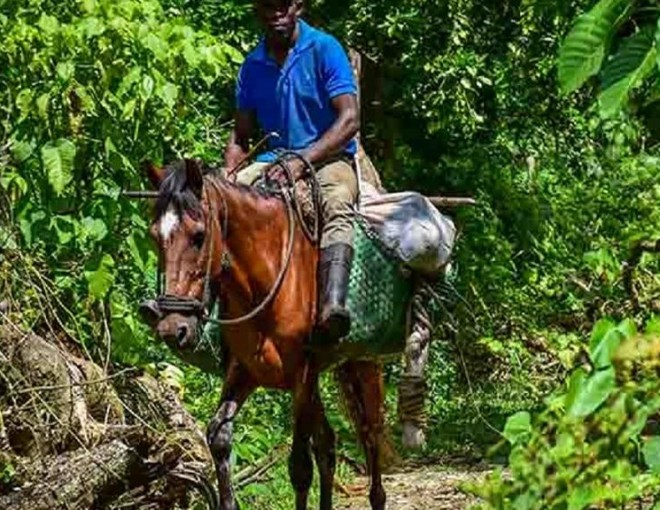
(218,239)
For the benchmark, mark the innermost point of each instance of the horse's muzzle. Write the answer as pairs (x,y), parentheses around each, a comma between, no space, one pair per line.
(178,331)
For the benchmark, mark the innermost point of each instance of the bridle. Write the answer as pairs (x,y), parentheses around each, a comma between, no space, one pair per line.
(168,303)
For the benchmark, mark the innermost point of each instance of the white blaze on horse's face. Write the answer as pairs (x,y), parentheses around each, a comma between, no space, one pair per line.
(168,224)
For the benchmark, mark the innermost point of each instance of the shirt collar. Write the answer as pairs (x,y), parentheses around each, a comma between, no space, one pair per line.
(305,37)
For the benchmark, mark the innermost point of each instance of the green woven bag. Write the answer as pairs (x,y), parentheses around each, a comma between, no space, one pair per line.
(378,295)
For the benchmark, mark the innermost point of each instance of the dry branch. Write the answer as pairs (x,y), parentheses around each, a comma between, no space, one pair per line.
(256,472)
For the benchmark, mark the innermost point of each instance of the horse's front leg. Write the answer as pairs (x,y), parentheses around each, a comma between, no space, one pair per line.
(301,468)
(236,389)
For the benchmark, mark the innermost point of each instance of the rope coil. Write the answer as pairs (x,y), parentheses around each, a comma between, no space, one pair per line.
(412,395)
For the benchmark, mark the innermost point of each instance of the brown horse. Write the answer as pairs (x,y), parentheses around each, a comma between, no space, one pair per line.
(244,247)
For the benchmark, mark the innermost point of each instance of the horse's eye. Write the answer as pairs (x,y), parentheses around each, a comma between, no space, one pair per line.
(198,240)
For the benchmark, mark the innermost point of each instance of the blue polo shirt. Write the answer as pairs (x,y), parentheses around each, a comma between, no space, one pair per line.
(294,100)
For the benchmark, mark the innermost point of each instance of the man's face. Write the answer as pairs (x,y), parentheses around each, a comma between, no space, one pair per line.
(278,17)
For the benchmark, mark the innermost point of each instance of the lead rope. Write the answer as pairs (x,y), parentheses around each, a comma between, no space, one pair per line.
(313,183)
(206,296)
(280,277)
(412,385)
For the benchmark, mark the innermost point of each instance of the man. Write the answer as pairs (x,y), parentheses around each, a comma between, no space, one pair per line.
(298,82)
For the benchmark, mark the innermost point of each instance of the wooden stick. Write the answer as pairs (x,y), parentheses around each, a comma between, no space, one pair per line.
(451,202)
(251,153)
(139,194)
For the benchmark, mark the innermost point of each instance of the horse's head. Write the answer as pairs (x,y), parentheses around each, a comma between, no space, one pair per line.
(187,232)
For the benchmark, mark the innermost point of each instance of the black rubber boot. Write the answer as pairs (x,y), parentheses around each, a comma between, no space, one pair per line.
(334,321)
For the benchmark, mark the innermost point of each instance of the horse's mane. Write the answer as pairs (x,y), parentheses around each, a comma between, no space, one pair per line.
(176,192)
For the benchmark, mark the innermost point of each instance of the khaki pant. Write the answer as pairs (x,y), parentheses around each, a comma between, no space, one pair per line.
(339,192)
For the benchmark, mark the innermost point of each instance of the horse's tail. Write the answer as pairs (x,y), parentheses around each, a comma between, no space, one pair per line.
(363,397)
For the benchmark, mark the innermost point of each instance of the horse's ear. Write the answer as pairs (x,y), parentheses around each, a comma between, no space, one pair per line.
(155,174)
(194,176)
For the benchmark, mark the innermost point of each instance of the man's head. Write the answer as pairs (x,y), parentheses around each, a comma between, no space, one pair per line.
(278,17)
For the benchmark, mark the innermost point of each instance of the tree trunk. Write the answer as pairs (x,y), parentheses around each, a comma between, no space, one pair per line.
(367,169)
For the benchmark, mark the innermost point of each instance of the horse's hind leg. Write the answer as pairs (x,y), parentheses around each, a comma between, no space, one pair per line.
(236,389)
(323,444)
(301,469)
(361,383)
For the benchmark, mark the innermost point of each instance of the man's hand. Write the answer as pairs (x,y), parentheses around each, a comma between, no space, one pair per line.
(278,174)
(239,139)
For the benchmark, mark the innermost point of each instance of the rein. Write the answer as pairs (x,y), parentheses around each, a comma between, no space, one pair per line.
(315,234)
(176,304)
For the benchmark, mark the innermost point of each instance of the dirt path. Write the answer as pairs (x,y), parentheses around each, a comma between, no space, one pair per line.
(419,488)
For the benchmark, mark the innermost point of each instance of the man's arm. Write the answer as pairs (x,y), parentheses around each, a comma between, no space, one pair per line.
(346,126)
(239,140)
(333,141)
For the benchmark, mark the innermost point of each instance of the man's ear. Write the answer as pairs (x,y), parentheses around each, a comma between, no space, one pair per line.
(300,7)
(194,176)
(155,174)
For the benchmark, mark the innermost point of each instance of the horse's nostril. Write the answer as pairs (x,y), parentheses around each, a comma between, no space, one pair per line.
(181,333)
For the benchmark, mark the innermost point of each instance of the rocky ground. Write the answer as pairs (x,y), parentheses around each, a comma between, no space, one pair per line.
(431,487)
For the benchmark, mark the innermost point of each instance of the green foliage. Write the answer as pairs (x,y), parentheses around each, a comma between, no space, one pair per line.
(587,448)
(517,427)
(585,47)
(57,159)
(7,473)
(627,70)
(89,89)
(584,53)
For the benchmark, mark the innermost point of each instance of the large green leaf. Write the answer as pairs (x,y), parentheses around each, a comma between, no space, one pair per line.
(581,498)
(168,94)
(592,393)
(582,52)
(606,336)
(575,383)
(652,454)
(58,159)
(627,70)
(657,43)
(517,427)
(602,355)
(93,229)
(21,149)
(598,332)
(101,279)
(653,325)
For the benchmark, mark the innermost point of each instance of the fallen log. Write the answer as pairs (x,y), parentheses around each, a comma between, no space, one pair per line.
(77,479)
(74,436)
